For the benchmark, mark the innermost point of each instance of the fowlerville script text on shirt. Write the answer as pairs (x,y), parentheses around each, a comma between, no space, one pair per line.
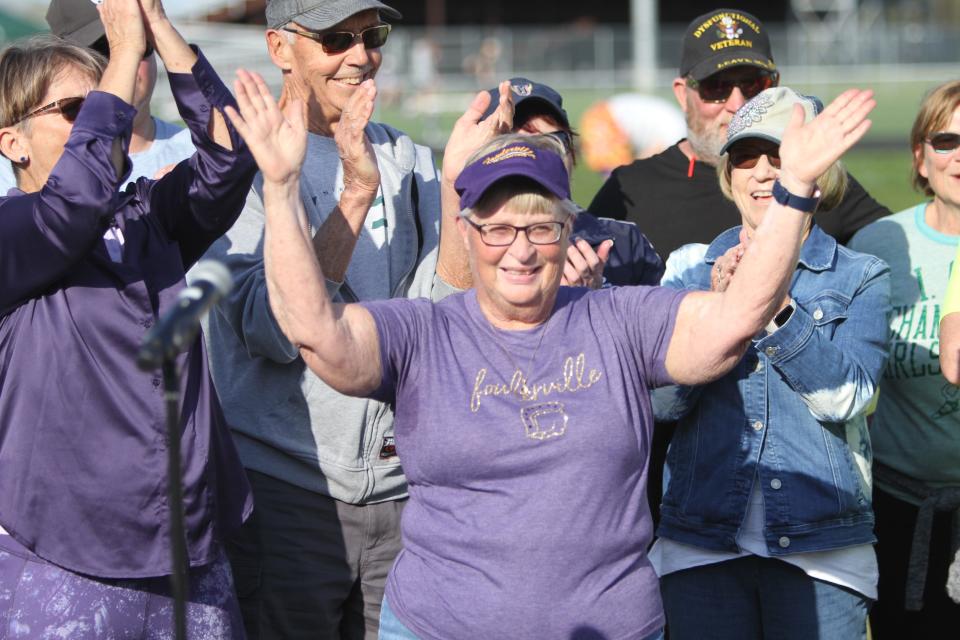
(575,377)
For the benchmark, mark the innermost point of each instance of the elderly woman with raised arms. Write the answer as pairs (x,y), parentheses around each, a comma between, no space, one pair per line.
(85,271)
(523,418)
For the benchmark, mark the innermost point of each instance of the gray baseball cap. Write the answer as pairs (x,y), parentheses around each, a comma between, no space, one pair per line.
(767,115)
(317,15)
(75,20)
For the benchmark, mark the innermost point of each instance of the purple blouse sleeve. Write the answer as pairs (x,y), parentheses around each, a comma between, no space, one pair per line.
(202,197)
(43,234)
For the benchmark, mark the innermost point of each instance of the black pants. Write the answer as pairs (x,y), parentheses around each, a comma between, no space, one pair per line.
(309,566)
(940,617)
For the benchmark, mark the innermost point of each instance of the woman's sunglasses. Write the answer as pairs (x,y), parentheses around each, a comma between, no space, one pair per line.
(718,87)
(749,157)
(68,107)
(340,41)
(944,142)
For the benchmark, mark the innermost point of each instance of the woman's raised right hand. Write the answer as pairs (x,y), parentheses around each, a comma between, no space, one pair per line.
(808,150)
(123,25)
(276,138)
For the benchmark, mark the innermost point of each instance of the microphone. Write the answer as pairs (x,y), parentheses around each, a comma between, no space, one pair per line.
(176,330)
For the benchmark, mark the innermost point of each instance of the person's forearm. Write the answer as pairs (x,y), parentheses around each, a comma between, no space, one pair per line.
(337,237)
(763,276)
(298,296)
(176,54)
(337,341)
(453,263)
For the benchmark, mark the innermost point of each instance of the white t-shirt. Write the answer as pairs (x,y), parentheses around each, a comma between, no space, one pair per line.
(851,567)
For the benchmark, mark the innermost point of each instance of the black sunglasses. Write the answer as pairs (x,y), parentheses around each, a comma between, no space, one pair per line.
(717,88)
(944,141)
(340,41)
(68,107)
(748,157)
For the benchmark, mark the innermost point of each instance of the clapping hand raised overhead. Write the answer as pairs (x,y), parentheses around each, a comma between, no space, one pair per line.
(472,130)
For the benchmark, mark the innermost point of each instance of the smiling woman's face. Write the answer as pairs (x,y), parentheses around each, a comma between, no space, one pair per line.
(518,283)
(751,186)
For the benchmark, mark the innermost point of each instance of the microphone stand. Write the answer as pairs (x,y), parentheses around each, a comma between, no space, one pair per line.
(178,577)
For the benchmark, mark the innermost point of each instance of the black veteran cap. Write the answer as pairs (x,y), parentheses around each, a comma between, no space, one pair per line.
(724,38)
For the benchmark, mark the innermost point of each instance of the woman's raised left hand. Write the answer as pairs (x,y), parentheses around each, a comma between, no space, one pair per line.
(276,138)
(808,150)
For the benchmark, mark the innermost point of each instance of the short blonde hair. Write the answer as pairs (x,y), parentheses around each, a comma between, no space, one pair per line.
(935,112)
(832,184)
(522,194)
(29,67)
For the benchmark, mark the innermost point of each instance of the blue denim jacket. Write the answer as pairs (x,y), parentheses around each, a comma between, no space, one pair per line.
(789,414)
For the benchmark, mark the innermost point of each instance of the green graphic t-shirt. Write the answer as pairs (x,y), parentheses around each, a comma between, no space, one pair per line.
(916,427)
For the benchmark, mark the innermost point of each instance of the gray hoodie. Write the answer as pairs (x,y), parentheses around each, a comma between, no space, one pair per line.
(286,422)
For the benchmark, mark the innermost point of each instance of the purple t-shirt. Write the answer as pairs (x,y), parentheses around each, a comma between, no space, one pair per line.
(526,454)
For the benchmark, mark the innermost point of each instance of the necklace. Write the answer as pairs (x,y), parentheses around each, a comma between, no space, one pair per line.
(518,379)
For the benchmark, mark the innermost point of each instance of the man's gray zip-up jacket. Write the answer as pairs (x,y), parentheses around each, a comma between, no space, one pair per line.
(286,422)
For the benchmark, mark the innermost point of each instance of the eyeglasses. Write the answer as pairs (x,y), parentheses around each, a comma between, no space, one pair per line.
(340,41)
(944,141)
(747,158)
(503,235)
(68,107)
(718,87)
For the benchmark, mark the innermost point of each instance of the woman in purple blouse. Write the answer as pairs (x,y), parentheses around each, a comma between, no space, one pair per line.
(522,415)
(85,271)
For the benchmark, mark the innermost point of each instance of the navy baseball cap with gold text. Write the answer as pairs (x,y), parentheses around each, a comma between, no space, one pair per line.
(722,39)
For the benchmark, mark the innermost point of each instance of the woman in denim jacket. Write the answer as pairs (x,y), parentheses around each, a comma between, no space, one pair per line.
(766,527)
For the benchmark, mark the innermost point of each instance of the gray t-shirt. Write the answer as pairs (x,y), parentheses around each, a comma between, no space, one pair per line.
(916,426)
(526,457)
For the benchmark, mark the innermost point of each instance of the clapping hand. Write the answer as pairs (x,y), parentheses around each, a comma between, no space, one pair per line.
(808,150)
(276,138)
(360,172)
(470,132)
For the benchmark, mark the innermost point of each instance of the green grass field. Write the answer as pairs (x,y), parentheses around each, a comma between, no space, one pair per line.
(881,164)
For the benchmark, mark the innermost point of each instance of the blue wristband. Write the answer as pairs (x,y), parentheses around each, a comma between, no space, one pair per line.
(787,199)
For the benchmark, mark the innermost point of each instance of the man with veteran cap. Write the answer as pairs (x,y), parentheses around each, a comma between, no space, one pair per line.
(326,478)
(674,197)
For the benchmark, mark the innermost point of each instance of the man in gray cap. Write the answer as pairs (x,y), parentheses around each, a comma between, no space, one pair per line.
(328,487)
